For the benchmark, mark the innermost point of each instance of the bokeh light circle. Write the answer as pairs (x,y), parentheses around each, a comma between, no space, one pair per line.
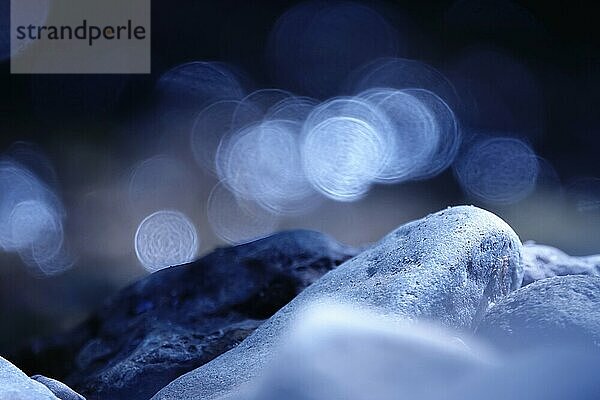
(342,156)
(165,238)
(498,170)
(237,220)
(263,163)
(413,136)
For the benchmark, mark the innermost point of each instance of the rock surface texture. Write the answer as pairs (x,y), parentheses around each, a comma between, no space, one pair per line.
(541,262)
(60,390)
(15,385)
(554,311)
(447,267)
(179,318)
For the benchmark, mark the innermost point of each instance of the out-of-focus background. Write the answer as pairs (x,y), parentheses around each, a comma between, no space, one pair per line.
(113,149)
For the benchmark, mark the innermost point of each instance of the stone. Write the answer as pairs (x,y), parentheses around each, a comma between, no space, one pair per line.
(60,390)
(353,354)
(447,267)
(15,385)
(553,311)
(540,261)
(555,373)
(181,317)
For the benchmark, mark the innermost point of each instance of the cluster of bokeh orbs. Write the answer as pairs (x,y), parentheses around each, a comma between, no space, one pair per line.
(32,215)
(364,116)
(356,112)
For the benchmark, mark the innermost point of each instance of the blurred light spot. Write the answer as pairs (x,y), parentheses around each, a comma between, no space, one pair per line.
(31,220)
(263,163)
(254,107)
(196,84)
(401,73)
(315,45)
(40,230)
(154,181)
(184,91)
(350,107)
(548,178)
(447,133)
(342,156)
(32,157)
(237,220)
(165,238)
(17,185)
(413,135)
(213,123)
(292,109)
(498,170)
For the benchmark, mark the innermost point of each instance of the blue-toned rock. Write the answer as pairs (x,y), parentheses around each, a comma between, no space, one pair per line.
(15,385)
(181,317)
(447,267)
(541,262)
(353,354)
(550,312)
(60,390)
(557,373)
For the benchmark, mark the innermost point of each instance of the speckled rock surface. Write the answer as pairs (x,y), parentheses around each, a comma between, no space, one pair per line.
(560,310)
(60,390)
(15,385)
(541,262)
(182,317)
(447,267)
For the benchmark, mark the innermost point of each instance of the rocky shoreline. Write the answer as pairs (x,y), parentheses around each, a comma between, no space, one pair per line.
(447,300)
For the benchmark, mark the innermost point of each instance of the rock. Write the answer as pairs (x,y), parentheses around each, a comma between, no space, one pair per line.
(557,373)
(447,267)
(15,385)
(353,354)
(541,262)
(181,317)
(60,390)
(357,355)
(549,312)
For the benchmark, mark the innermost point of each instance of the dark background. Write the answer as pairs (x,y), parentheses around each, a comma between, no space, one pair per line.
(89,127)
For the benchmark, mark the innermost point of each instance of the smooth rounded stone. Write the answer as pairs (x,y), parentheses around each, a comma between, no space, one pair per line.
(179,318)
(540,261)
(15,385)
(447,267)
(558,310)
(60,390)
(352,354)
(556,373)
